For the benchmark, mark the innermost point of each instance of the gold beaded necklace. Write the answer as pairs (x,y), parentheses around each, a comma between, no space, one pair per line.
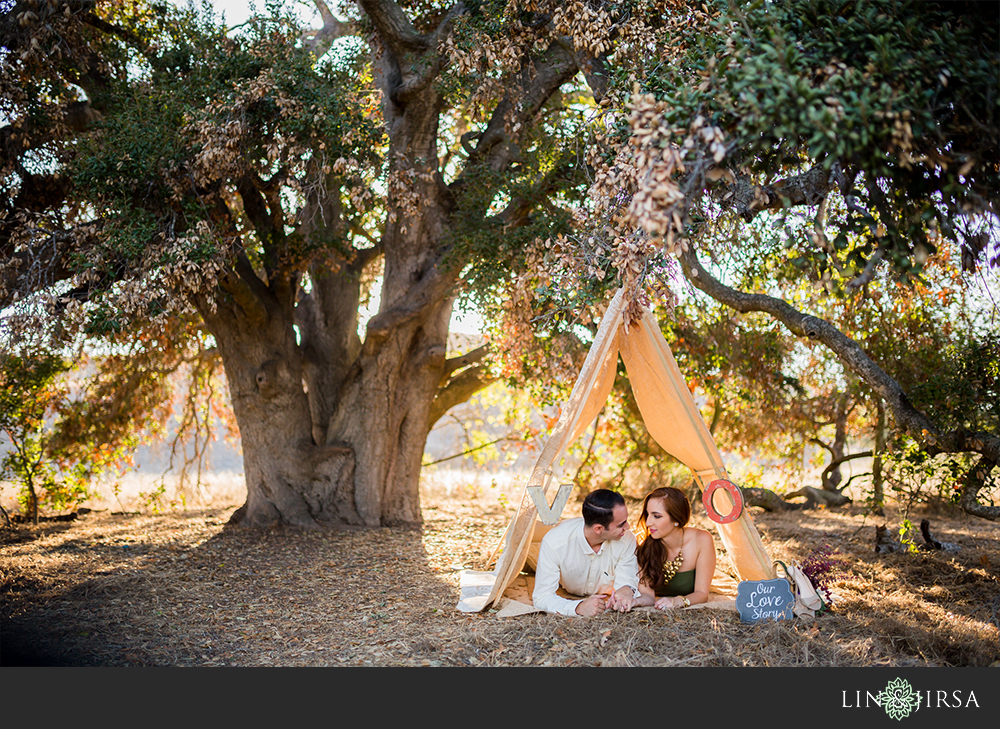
(670,568)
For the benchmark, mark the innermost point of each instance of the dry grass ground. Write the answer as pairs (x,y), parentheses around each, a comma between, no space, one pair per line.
(183,589)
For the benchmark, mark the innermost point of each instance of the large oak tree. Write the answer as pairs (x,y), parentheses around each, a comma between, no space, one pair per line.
(255,183)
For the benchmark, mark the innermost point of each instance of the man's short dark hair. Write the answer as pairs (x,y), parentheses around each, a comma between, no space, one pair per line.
(599,506)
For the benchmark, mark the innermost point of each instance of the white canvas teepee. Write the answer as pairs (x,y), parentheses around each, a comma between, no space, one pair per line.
(672,419)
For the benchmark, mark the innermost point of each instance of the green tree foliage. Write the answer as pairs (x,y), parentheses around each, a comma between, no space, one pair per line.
(258,182)
(892,104)
(827,170)
(30,396)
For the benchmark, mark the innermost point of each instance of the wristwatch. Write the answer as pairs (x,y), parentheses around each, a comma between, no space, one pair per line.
(687,602)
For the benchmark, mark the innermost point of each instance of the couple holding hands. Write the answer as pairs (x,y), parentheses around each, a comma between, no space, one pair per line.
(596,555)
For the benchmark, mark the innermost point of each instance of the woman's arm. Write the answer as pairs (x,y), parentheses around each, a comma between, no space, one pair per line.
(646,596)
(704,570)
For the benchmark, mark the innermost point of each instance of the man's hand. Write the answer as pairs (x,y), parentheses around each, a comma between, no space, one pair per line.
(623,600)
(593,605)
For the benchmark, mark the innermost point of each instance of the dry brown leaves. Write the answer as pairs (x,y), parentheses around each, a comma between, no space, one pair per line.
(183,589)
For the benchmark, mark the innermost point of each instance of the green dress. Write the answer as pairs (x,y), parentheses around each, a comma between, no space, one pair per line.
(680,584)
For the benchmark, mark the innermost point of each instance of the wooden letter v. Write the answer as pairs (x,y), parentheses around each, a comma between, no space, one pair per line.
(550,515)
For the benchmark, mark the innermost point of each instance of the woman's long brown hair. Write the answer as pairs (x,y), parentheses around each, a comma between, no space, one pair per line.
(651,554)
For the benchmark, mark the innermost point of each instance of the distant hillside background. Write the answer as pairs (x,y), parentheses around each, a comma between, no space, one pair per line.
(154,482)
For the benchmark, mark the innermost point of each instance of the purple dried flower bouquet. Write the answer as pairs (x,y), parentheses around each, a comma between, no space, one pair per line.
(821,567)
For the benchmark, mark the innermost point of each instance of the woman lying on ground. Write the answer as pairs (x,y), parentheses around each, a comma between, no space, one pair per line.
(676,562)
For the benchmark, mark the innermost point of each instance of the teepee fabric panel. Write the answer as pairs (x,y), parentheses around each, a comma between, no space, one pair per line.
(665,403)
(672,418)
(590,392)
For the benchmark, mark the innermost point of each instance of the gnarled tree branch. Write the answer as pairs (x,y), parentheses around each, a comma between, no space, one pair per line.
(394,27)
(319,41)
(471,357)
(434,285)
(809,188)
(975,479)
(459,389)
(530,89)
(835,464)
(433,60)
(914,422)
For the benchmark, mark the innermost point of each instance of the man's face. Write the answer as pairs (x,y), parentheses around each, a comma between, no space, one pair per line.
(619,524)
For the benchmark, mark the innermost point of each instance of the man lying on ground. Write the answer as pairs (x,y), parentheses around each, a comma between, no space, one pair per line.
(591,557)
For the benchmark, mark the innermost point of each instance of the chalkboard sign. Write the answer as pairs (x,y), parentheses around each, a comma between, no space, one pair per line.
(764,599)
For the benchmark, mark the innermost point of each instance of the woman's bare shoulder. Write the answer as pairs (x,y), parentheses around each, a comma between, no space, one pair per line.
(701,537)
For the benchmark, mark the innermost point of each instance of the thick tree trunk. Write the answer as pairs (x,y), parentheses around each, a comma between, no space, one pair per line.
(384,417)
(289,479)
(383,409)
(333,429)
(367,469)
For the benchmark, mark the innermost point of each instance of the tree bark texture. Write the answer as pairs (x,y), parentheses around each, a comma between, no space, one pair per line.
(334,425)
(767,500)
(333,429)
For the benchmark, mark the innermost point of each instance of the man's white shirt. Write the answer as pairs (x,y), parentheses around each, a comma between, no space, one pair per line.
(566,558)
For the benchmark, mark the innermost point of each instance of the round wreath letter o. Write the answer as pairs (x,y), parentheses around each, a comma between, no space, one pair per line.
(730,488)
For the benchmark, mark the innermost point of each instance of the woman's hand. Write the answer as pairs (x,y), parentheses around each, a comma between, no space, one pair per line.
(668,603)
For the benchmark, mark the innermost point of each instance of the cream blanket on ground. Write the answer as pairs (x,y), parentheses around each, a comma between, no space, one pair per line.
(516,599)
